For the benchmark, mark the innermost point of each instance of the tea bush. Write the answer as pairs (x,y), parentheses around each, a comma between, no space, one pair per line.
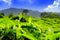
(31,29)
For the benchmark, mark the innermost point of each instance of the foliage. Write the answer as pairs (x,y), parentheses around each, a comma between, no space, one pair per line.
(10,15)
(25,12)
(2,15)
(49,15)
(33,29)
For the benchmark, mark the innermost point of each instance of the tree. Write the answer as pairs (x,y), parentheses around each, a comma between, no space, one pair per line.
(25,12)
(1,15)
(10,15)
(49,15)
(44,14)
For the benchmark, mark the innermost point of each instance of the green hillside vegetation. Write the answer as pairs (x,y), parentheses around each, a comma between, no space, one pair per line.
(24,27)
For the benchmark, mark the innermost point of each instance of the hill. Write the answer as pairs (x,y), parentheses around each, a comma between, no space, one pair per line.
(15,11)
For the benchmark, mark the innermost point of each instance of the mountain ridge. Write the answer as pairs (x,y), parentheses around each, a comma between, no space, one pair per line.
(15,11)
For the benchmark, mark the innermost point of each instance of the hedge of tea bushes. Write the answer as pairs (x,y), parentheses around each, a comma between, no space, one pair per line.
(32,29)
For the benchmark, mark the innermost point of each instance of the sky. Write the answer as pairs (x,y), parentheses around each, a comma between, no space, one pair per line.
(39,5)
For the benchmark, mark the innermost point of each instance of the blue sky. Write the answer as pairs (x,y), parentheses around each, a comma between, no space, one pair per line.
(39,5)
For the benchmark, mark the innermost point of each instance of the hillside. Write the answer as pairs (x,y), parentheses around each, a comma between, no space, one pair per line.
(15,11)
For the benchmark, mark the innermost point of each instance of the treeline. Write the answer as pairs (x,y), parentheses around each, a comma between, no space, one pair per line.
(49,15)
(42,14)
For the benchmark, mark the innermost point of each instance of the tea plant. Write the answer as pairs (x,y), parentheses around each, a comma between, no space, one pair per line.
(29,28)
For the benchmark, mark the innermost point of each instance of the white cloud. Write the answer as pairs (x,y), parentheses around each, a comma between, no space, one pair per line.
(7,1)
(52,7)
